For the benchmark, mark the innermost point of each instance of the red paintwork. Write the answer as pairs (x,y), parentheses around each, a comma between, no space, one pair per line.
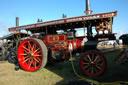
(66,20)
(51,40)
(60,41)
(76,43)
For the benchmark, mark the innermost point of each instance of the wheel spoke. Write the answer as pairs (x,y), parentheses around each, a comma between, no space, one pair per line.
(95,69)
(86,66)
(96,58)
(36,50)
(36,60)
(30,63)
(92,69)
(99,63)
(26,49)
(98,67)
(89,58)
(37,55)
(29,45)
(89,68)
(99,60)
(26,60)
(26,57)
(33,63)
(33,47)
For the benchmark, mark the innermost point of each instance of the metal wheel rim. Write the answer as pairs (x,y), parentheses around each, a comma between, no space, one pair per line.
(30,55)
(92,64)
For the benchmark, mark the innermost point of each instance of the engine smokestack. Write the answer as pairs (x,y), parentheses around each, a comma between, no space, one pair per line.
(88,8)
(17,21)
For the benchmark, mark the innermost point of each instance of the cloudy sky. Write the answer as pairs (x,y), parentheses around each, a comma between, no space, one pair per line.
(30,10)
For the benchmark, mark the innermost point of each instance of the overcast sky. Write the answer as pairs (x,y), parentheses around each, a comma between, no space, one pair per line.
(30,10)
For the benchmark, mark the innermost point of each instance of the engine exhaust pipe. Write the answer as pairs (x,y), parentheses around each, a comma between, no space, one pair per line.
(88,8)
(17,21)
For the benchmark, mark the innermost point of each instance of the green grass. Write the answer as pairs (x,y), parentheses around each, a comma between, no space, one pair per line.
(61,73)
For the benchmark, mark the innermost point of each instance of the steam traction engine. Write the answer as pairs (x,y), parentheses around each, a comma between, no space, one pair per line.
(52,40)
(9,45)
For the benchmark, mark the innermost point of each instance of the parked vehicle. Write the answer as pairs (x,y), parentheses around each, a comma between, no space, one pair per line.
(124,37)
(9,45)
(54,40)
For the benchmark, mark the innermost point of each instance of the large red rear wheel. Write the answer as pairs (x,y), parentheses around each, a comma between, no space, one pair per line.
(93,63)
(32,54)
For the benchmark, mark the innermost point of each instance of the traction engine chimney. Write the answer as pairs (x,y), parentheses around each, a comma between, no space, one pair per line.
(17,21)
(88,8)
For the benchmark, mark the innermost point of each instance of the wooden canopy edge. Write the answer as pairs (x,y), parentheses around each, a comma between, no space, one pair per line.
(65,20)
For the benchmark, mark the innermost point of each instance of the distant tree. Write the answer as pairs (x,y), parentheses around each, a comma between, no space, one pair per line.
(64,16)
(38,20)
(41,20)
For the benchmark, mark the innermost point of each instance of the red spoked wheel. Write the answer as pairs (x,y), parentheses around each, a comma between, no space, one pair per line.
(32,54)
(92,63)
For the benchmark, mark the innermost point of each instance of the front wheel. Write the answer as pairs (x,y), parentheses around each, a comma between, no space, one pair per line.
(92,63)
(32,54)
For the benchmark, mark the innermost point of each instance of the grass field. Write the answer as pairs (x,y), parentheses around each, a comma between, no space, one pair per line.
(61,73)
(58,74)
